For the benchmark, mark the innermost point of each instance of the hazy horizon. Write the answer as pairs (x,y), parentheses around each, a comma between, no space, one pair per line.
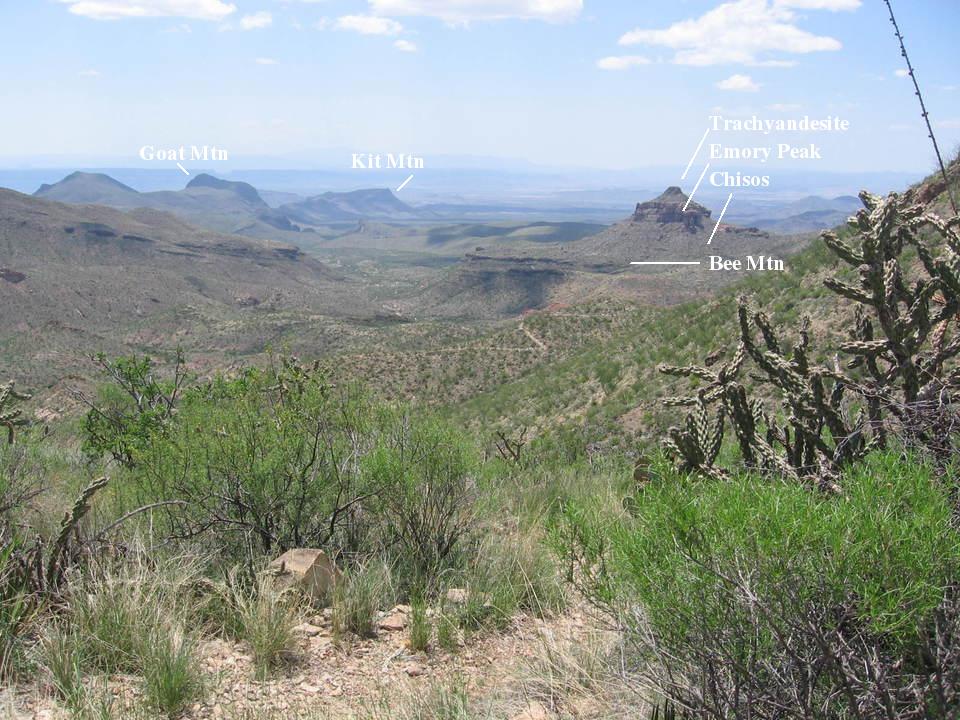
(562,84)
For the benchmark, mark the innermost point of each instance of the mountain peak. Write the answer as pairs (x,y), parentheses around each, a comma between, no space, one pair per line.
(669,208)
(246,191)
(80,177)
(82,186)
(672,194)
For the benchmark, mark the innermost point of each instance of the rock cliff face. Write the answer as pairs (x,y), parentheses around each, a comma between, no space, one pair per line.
(668,208)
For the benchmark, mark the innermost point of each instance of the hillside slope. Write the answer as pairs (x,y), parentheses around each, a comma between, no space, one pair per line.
(78,279)
(609,391)
(589,369)
(506,281)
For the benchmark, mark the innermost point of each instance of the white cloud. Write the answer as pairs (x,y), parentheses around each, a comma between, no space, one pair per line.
(322,24)
(256,21)
(89,73)
(119,9)
(465,11)
(742,32)
(621,62)
(369,25)
(739,83)
(951,124)
(784,107)
(266,61)
(832,5)
(901,73)
(406,46)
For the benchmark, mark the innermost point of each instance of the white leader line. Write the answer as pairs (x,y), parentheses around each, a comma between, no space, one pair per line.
(183,168)
(696,187)
(666,262)
(696,152)
(720,219)
(404,183)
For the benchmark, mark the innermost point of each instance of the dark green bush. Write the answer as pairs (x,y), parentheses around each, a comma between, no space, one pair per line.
(131,409)
(428,472)
(275,459)
(267,461)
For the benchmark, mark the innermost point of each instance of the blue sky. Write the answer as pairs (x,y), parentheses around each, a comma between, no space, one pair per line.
(593,83)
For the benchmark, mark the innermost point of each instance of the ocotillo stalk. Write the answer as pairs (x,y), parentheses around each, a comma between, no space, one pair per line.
(923,106)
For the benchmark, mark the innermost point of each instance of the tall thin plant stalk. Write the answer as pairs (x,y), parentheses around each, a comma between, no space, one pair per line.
(923,105)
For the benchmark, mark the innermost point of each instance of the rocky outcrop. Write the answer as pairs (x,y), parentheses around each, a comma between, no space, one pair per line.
(668,209)
(310,571)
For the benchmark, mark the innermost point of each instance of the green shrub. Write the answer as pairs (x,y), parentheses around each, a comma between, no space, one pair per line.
(887,541)
(775,591)
(268,459)
(276,459)
(129,412)
(428,471)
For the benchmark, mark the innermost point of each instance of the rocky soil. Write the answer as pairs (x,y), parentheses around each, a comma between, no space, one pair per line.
(349,679)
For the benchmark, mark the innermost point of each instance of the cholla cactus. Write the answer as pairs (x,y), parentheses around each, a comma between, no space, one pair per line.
(38,568)
(900,356)
(698,444)
(907,362)
(10,417)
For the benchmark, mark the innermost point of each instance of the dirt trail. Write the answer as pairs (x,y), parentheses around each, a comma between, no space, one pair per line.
(533,338)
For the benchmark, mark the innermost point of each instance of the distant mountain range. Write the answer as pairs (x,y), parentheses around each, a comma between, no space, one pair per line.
(807,214)
(234,207)
(206,201)
(239,207)
(667,228)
